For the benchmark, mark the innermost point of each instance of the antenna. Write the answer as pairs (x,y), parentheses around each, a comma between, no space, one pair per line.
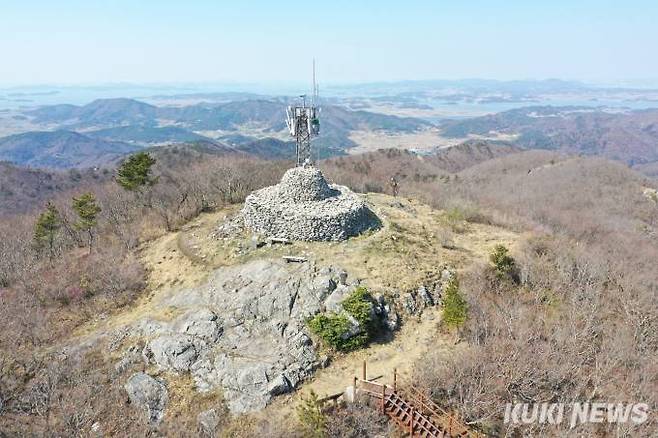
(316,104)
(304,123)
(315,86)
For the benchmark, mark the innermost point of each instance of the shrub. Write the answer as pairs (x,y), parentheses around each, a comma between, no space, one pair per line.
(455,307)
(334,328)
(504,264)
(311,418)
(455,218)
(135,173)
(46,229)
(359,304)
(87,210)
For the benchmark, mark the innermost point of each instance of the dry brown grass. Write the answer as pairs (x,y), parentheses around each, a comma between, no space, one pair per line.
(581,325)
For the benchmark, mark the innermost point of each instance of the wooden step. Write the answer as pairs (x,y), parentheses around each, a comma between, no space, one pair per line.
(405,411)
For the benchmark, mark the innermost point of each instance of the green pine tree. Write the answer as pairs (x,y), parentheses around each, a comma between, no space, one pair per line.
(134,174)
(87,210)
(504,264)
(311,418)
(455,307)
(46,229)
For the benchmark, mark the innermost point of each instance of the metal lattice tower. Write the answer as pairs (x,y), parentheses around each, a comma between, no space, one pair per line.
(304,123)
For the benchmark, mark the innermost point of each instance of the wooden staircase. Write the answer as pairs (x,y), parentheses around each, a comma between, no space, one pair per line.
(410,419)
(413,411)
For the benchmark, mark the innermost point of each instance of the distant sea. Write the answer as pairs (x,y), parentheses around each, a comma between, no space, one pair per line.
(29,97)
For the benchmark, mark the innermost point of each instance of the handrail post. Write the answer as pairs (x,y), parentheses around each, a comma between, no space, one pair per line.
(395,379)
(383,399)
(363,374)
(411,422)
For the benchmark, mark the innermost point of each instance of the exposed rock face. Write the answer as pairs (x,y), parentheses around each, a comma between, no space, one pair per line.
(304,207)
(244,331)
(148,394)
(428,295)
(202,323)
(208,422)
(173,352)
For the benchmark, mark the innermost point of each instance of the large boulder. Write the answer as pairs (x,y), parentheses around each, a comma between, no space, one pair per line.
(148,394)
(333,303)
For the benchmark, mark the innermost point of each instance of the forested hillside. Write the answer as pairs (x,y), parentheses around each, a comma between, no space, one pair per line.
(569,309)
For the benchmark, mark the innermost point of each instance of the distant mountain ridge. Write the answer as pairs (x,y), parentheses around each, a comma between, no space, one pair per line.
(60,149)
(99,112)
(117,126)
(146,134)
(268,114)
(630,136)
(456,158)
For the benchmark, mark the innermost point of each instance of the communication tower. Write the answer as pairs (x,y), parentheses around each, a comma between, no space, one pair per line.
(303,122)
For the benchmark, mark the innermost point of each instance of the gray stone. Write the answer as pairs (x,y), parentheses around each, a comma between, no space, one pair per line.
(130,356)
(333,301)
(342,275)
(438,293)
(446,275)
(202,323)
(244,331)
(392,320)
(208,421)
(425,296)
(148,394)
(304,207)
(280,385)
(409,303)
(172,352)
(324,285)
(264,306)
(148,327)
(354,328)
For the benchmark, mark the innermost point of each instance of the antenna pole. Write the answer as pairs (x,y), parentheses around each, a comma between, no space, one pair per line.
(304,123)
(314,84)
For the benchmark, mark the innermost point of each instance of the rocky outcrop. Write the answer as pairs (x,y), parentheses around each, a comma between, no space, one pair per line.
(304,207)
(201,323)
(244,332)
(427,295)
(148,394)
(173,352)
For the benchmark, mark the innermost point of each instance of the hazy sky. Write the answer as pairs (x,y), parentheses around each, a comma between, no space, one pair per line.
(70,41)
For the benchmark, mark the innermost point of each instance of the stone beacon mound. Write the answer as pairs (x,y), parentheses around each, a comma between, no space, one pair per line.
(303,206)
